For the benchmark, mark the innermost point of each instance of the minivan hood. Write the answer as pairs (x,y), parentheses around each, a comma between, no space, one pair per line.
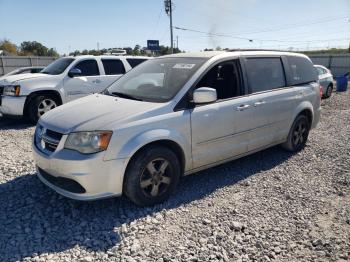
(15,78)
(96,112)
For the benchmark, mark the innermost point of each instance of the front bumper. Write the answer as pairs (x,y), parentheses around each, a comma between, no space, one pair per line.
(317,117)
(12,105)
(99,178)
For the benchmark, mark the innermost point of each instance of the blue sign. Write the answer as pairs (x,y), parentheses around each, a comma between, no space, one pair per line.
(153,45)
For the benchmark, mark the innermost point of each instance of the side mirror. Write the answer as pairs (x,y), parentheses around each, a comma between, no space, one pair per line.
(74,72)
(204,95)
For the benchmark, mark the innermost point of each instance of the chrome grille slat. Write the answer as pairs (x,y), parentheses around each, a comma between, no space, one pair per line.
(47,140)
(50,140)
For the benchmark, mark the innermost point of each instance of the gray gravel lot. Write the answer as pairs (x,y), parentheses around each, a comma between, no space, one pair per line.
(272,205)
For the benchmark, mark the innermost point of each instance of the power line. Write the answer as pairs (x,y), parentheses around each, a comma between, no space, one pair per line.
(209,34)
(301,24)
(157,23)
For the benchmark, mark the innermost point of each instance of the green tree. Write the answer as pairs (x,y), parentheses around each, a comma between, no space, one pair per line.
(36,49)
(8,47)
(136,50)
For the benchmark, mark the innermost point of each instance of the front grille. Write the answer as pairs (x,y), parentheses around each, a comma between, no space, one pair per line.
(46,139)
(63,182)
(53,134)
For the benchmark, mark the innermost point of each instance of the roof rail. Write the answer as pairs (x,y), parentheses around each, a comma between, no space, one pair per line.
(257,49)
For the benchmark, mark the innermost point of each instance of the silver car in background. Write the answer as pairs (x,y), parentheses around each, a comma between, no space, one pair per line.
(326,80)
(173,116)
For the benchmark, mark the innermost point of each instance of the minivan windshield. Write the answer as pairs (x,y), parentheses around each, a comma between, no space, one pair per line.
(57,67)
(156,80)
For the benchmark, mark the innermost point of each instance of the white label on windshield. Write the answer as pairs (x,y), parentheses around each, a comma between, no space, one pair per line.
(184,66)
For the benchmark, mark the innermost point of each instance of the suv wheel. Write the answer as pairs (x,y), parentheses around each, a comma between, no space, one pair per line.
(39,105)
(152,176)
(298,134)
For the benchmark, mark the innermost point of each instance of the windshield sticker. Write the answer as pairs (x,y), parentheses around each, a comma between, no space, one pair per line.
(184,66)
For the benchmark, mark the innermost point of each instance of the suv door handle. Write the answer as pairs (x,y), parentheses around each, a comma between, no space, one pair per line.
(259,103)
(242,107)
(96,81)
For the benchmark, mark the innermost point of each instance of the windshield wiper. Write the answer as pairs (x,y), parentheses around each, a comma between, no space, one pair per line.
(122,95)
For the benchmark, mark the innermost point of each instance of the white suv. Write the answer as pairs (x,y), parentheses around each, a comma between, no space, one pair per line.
(173,116)
(64,80)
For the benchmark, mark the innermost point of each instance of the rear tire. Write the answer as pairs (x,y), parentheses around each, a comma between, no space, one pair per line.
(152,176)
(298,134)
(329,91)
(40,105)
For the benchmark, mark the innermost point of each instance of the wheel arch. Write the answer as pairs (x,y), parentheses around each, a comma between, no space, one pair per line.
(34,94)
(170,144)
(305,108)
(308,113)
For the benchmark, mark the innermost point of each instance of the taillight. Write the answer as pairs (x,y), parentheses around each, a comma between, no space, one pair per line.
(321,91)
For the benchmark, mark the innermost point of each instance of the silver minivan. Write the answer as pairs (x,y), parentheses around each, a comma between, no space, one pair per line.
(173,116)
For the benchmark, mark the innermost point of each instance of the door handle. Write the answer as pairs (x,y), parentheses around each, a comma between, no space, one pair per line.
(97,81)
(242,107)
(259,103)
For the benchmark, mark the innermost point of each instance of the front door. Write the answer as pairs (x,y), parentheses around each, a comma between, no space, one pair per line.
(84,84)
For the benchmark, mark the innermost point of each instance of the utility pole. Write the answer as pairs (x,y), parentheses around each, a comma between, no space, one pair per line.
(169,10)
(177,42)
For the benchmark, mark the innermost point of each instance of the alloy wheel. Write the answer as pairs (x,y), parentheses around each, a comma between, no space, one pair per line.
(45,106)
(155,178)
(300,133)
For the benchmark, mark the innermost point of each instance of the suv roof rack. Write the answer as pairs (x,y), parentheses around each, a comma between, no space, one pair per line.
(256,49)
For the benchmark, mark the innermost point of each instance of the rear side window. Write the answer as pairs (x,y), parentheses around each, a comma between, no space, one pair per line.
(113,67)
(135,61)
(301,70)
(320,71)
(265,74)
(88,67)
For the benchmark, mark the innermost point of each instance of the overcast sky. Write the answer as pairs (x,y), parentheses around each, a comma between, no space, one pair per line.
(68,25)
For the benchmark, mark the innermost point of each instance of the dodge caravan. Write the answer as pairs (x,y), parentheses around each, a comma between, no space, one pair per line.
(173,116)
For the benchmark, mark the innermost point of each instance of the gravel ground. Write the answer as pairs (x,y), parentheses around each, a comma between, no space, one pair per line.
(272,205)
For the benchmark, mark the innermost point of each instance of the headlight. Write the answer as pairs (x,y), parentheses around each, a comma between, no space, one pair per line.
(88,142)
(12,90)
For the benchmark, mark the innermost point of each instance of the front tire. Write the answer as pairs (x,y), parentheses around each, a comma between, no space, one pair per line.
(152,176)
(40,105)
(298,134)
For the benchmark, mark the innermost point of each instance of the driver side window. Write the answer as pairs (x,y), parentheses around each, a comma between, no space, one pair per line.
(88,68)
(225,78)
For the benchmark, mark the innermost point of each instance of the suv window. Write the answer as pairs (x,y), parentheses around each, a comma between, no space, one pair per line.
(135,61)
(226,78)
(88,67)
(113,66)
(301,70)
(265,74)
